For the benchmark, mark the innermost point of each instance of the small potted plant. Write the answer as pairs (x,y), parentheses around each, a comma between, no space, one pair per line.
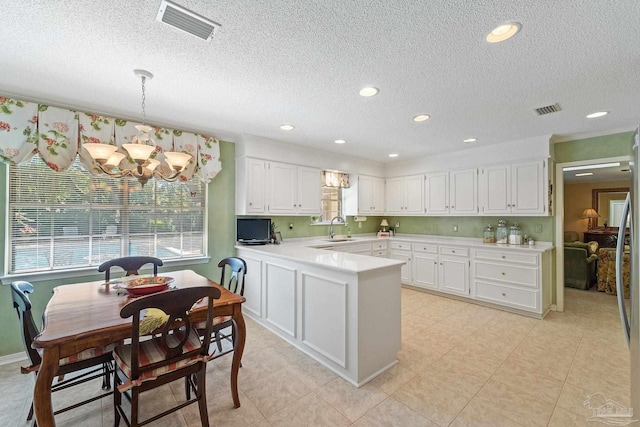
(314,219)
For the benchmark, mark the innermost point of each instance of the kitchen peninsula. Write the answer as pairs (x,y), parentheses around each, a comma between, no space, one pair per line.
(342,309)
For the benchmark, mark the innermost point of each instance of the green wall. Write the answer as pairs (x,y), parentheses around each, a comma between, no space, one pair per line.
(599,147)
(221,210)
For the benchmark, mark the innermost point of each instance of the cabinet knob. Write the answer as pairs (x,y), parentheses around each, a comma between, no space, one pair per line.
(504,295)
(453,207)
(435,262)
(503,257)
(440,263)
(503,273)
(250,203)
(453,252)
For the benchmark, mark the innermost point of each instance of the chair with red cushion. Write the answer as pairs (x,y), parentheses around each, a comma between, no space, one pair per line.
(174,351)
(130,264)
(94,363)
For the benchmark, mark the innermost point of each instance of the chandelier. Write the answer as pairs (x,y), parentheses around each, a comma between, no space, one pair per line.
(139,150)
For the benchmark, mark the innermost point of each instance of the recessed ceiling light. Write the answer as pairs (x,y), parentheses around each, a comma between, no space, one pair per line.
(287,127)
(339,141)
(598,114)
(393,155)
(584,174)
(597,166)
(503,32)
(421,117)
(469,140)
(369,91)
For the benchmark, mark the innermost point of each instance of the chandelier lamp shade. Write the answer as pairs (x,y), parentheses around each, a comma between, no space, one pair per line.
(140,150)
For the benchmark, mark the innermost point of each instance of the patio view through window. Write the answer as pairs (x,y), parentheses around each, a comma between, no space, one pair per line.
(71,219)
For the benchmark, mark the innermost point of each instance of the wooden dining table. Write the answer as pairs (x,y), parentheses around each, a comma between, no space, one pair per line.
(87,315)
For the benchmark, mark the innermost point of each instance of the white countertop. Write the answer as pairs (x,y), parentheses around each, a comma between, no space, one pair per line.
(310,250)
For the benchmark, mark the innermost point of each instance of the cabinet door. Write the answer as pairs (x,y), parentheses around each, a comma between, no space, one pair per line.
(414,195)
(365,194)
(283,188)
(425,270)
(496,190)
(377,195)
(454,275)
(256,186)
(395,196)
(528,186)
(463,192)
(405,272)
(437,193)
(309,190)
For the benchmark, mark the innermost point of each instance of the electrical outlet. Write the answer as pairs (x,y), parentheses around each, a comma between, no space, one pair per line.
(290,226)
(538,228)
(455,228)
(397,225)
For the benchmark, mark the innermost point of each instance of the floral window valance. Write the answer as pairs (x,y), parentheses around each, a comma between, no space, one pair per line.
(57,135)
(335,179)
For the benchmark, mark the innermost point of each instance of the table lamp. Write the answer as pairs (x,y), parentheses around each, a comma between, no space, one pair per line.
(384,224)
(590,213)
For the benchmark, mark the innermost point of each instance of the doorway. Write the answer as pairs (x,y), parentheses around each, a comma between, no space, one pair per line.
(560,219)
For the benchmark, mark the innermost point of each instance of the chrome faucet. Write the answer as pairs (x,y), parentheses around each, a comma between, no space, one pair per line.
(331,233)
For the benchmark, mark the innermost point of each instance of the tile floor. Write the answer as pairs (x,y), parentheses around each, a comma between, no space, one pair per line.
(460,365)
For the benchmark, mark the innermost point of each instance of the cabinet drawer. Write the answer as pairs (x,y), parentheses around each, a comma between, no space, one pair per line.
(446,250)
(401,245)
(505,295)
(520,258)
(362,247)
(507,273)
(379,245)
(380,253)
(419,247)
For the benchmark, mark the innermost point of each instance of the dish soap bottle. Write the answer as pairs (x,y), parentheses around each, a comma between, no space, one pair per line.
(348,233)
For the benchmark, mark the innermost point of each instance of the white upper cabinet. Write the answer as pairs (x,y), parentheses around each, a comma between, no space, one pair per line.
(519,188)
(437,194)
(264,187)
(371,197)
(294,190)
(463,192)
(251,186)
(404,195)
(452,193)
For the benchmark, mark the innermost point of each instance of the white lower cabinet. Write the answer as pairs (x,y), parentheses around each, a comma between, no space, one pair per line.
(402,252)
(453,274)
(513,278)
(425,265)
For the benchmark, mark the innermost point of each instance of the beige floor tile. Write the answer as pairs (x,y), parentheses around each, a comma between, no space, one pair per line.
(476,415)
(351,401)
(391,413)
(520,377)
(276,390)
(455,377)
(563,418)
(573,398)
(521,407)
(413,358)
(311,410)
(431,399)
(394,378)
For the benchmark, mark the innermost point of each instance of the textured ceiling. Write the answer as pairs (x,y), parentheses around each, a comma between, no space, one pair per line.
(303,62)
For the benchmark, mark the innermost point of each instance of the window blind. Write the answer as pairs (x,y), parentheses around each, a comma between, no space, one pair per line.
(71,219)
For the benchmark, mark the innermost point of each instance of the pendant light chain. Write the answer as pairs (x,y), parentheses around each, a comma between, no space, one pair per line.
(144,98)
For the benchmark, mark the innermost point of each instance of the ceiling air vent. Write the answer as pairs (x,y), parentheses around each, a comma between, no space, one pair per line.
(185,20)
(548,109)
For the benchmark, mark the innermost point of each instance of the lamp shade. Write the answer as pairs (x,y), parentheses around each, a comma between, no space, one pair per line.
(384,223)
(590,213)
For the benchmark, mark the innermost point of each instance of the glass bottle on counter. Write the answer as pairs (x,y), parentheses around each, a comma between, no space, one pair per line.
(515,235)
(489,234)
(501,232)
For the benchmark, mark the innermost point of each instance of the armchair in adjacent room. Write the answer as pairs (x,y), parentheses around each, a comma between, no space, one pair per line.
(580,261)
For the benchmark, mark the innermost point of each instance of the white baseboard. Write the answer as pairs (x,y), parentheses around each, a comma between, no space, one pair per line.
(12,358)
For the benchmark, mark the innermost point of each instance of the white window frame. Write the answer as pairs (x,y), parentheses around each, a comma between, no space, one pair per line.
(121,237)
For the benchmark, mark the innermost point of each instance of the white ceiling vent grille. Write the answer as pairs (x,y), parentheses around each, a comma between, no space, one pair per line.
(185,20)
(548,109)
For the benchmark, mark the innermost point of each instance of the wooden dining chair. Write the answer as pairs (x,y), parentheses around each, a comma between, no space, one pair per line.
(130,264)
(94,363)
(237,269)
(174,351)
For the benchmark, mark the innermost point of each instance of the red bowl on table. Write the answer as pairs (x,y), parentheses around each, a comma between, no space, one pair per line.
(139,286)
